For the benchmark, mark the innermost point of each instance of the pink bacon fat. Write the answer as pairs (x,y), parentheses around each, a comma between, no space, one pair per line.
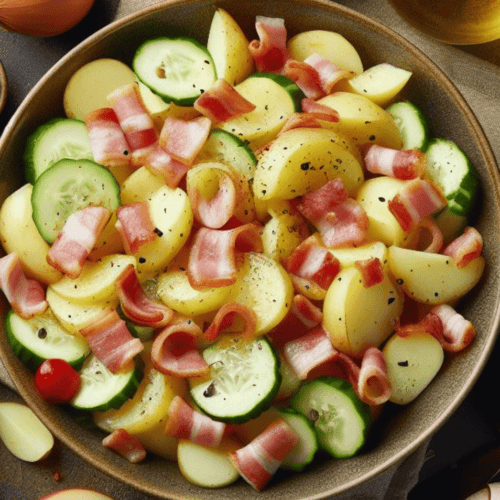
(175,351)
(26,296)
(185,423)
(269,52)
(222,102)
(403,164)
(328,73)
(135,121)
(136,305)
(107,140)
(77,239)
(371,270)
(229,314)
(110,340)
(126,445)
(259,460)
(305,76)
(466,247)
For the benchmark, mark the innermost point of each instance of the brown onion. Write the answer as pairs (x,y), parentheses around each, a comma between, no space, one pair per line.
(42,17)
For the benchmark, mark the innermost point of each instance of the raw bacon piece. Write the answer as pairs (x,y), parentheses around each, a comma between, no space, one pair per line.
(328,73)
(466,247)
(126,445)
(222,102)
(77,239)
(135,122)
(321,111)
(175,351)
(258,461)
(305,76)
(227,316)
(136,305)
(374,387)
(417,199)
(312,261)
(158,161)
(110,340)
(371,271)
(269,52)
(435,233)
(185,423)
(135,226)
(212,257)
(26,296)
(107,139)
(183,139)
(458,333)
(405,164)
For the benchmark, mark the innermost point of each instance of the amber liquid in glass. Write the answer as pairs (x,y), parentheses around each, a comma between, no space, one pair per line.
(453,21)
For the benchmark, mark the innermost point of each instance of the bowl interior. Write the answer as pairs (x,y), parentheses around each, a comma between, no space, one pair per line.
(3,87)
(402,430)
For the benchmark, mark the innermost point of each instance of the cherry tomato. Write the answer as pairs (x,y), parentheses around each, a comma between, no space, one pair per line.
(56,381)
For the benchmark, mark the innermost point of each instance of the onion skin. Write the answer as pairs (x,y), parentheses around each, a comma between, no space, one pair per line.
(44,18)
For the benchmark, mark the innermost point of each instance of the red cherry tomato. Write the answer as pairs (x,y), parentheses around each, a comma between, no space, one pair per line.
(57,381)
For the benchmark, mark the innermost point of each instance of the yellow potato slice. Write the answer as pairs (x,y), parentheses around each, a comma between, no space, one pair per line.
(109,241)
(412,363)
(228,47)
(356,317)
(19,235)
(433,278)
(89,86)
(140,186)
(328,44)
(265,287)
(362,120)
(96,283)
(303,160)
(348,256)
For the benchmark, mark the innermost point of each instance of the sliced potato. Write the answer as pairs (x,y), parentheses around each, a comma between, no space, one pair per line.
(433,278)
(362,120)
(89,86)
(330,45)
(412,363)
(140,186)
(356,317)
(228,47)
(348,256)
(265,287)
(19,235)
(109,241)
(303,160)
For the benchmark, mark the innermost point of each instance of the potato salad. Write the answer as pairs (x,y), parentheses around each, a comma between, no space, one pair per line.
(236,253)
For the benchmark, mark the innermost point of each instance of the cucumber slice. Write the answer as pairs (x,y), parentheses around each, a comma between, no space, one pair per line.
(244,380)
(340,419)
(411,123)
(303,453)
(42,337)
(450,168)
(141,332)
(176,69)
(227,148)
(101,389)
(450,224)
(55,140)
(68,186)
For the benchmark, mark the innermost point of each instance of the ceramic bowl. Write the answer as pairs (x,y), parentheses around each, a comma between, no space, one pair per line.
(400,431)
(3,87)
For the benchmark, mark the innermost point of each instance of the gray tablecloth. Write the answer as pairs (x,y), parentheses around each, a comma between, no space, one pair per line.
(474,71)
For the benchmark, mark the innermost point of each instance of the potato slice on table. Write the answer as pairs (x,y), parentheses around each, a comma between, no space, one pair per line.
(433,278)
(356,317)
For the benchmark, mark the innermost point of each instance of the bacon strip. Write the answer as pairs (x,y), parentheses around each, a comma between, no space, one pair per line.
(371,271)
(77,239)
(26,296)
(405,164)
(269,52)
(227,316)
(135,122)
(184,139)
(222,102)
(258,461)
(126,445)
(329,74)
(135,226)
(305,76)
(416,200)
(466,247)
(374,387)
(312,261)
(136,305)
(175,351)
(185,423)
(107,139)
(212,257)
(158,161)
(435,233)
(110,340)
(321,111)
